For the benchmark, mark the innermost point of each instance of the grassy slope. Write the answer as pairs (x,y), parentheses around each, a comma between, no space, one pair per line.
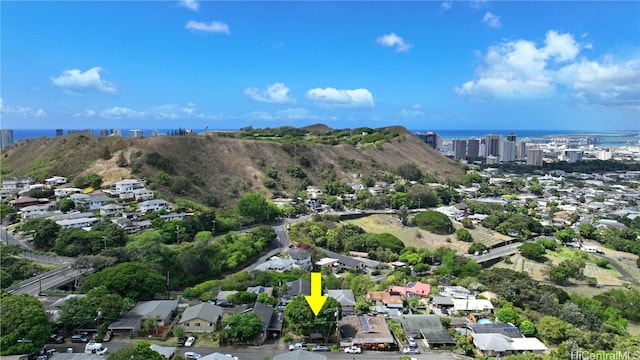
(226,166)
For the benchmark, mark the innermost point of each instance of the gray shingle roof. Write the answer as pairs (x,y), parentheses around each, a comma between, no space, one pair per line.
(204,311)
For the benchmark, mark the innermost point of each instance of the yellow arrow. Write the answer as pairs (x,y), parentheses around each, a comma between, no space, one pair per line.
(316,300)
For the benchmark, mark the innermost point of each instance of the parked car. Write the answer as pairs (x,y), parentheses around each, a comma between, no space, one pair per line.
(79,338)
(320,348)
(353,350)
(224,303)
(190,355)
(181,341)
(444,311)
(56,339)
(411,350)
(412,342)
(190,341)
(295,346)
(107,335)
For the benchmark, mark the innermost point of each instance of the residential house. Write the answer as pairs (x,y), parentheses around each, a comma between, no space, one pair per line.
(201,318)
(346,298)
(24,201)
(300,354)
(166,352)
(96,202)
(17,183)
(111,210)
(64,192)
(260,290)
(174,216)
(56,180)
(376,190)
(416,288)
(301,258)
(131,226)
(35,211)
(217,356)
(501,345)
(345,261)
(297,287)
(390,300)
(272,320)
(276,263)
(153,205)
(368,332)
(142,194)
(77,223)
(161,311)
(428,327)
(128,185)
(472,305)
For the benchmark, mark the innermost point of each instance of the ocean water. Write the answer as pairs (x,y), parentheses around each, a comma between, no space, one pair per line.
(605,138)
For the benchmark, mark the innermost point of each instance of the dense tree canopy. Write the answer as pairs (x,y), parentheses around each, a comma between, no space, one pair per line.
(129,280)
(256,208)
(299,314)
(241,327)
(23,318)
(142,351)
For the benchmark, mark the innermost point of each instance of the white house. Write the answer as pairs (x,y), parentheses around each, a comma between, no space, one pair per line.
(142,194)
(472,305)
(34,211)
(17,183)
(76,223)
(301,258)
(128,185)
(64,192)
(96,202)
(153,205)
(111,210)
(56,180)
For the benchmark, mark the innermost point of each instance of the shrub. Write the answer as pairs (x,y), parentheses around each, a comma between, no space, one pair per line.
(435,222)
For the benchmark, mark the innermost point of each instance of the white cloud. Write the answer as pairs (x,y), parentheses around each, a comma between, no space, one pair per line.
(341,98)
(261,115)
(277,93)
(121,112)
(214,26)
(190,4)
(520,69)
(296,114)
(25,111)
(446,6)
(76,81)
(478,4)
(413,112)
(189,109)
(393,40)
(492,20)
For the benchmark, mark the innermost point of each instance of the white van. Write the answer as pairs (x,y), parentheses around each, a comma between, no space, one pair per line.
(93,347)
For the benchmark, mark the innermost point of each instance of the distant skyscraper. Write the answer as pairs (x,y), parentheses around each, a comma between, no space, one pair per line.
(511,137)
(573,155)
(508,151)
(87,132)
(432,138)
(459,149)
(6,138)
(492,143)
(521,149)
(473,148)
(534,157)
(116,132)
(135,133)
(104,132)
(59,132)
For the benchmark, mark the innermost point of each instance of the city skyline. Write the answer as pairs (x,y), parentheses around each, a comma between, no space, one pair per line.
(225,65)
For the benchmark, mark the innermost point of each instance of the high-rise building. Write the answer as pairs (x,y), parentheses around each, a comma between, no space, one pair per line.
(116,132)
(6,138)
(508,151)
(511,137)
(521,149)
(432,138)
(572,155)
(104,132)
(604,154)
(135,133)
(492,144)
(459,149)
(59,132)
(473,148)
(534,157)
(87,132)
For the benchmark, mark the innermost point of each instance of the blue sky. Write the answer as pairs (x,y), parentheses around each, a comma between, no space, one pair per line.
(223,65)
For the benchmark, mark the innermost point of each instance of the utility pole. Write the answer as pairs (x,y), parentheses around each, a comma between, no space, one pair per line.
(104,238)
(40,283)
(178,234)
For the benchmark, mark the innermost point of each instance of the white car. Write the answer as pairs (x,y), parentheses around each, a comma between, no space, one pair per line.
(190,341)
(295,346)
(190,355)
(353,350)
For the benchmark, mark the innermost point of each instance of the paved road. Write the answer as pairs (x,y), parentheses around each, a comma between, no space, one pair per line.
(497,253)
(48,280)
(9,239)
